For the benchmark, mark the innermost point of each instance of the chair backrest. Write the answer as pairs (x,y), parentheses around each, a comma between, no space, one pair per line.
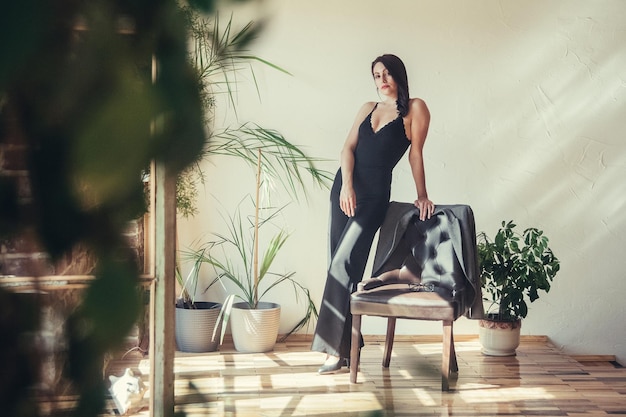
(432,257)
(440,250)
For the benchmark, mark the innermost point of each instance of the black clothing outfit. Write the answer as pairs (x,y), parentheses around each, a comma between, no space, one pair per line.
(375,156)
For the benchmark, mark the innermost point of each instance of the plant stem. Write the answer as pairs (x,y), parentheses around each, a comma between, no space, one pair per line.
(255,256)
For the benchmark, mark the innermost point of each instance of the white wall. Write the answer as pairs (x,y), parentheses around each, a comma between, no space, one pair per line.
(528,117)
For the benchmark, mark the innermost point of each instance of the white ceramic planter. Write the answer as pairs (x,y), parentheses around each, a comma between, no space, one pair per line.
(254,331)
(499,338)
(197,330)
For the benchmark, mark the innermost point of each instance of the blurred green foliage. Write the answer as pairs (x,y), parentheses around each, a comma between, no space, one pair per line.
(76,90)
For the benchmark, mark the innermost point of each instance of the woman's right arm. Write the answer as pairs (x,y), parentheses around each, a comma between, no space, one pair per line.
(347,197)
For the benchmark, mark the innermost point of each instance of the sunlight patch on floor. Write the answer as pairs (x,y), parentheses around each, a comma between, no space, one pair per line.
(404,374)
(425,398)
(512,394)
(307,405)
(323,404)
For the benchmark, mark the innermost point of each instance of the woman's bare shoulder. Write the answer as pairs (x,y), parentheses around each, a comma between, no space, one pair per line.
(417,104)
(368,106)
(365,109)
(418,108)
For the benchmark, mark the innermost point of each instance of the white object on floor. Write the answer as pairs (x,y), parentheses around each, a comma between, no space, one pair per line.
(127,391)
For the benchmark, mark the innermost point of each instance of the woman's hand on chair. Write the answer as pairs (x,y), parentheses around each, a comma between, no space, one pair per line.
(426,207)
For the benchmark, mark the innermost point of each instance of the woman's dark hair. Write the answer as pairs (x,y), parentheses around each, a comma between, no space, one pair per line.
(397,70)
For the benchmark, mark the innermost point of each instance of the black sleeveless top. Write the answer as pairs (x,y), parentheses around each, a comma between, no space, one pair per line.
(375,156)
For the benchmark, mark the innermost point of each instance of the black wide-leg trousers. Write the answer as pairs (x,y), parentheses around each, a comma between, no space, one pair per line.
(350,243)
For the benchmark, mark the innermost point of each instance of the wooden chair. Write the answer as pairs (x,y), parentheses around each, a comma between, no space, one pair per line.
(426,270)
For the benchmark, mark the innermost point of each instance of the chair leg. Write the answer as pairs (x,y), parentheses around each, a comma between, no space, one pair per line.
(446,357)
(355,348)
(454,365)
(391,330)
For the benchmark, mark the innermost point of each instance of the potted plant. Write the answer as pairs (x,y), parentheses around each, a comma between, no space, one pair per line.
(219,53)
(513,268)
(199,326)
(254,323)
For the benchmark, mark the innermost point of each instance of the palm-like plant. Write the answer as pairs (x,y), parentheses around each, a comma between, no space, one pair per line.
(251,273)
(281,161)
(220,54)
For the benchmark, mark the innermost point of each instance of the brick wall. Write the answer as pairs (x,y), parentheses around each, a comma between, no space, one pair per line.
(22,255)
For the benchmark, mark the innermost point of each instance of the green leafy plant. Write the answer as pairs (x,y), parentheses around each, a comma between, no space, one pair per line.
(249,270)
(282,162)
(188,287)
(221,57)
(220,54)
(514,267)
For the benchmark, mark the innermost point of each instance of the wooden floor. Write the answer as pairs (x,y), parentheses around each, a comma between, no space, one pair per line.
(539,381)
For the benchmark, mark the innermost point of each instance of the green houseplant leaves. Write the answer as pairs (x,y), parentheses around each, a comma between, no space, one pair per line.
(220,52)
(236,258)
(514,268)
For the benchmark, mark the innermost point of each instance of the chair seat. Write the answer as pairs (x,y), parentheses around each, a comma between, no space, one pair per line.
(396,301)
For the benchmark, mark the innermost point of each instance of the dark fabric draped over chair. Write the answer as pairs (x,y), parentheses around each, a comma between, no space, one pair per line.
(423,270)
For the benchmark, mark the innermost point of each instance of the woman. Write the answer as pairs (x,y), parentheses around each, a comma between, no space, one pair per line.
(360,195)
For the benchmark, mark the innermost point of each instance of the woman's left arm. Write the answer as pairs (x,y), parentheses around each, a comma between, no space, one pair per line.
(419,117)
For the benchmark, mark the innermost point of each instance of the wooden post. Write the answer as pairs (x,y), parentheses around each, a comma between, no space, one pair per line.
(162,345)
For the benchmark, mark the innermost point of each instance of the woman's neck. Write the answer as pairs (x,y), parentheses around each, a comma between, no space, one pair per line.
(390,98)
(390,101)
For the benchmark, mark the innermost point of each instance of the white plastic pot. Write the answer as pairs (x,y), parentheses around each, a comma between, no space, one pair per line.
(499,338)
(197,329)
(254,330)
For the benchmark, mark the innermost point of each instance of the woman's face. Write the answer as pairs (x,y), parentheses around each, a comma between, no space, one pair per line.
(384,81)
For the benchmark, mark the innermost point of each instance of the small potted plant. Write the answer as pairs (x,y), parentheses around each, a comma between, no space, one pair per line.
(198,324)
(513,268)
(236,258)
